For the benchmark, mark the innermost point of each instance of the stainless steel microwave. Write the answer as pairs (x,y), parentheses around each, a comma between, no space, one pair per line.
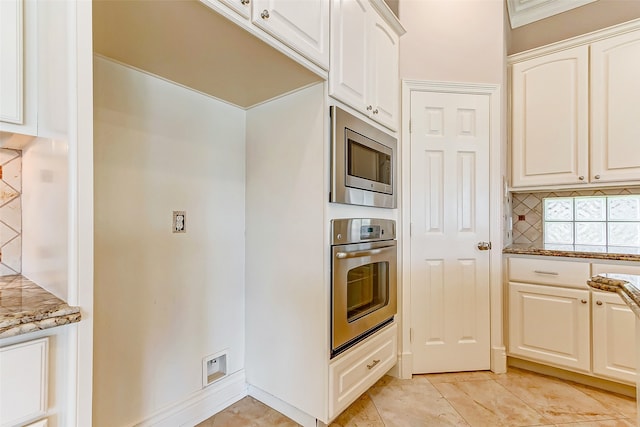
(363,162)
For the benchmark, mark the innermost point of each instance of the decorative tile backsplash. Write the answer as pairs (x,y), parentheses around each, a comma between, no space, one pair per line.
(10,212)
(527,210)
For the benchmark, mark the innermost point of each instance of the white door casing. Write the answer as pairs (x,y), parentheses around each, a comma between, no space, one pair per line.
(450,214)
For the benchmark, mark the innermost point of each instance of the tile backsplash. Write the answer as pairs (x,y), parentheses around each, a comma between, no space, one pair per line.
(527,210)
(10,212)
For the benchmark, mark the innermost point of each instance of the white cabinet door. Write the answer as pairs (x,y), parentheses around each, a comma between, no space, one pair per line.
(384,73)
(302,25)
(349,71)
(243,7)
(615,110)
(614,346)
(11,54)
(550,324)
(550,113)
(23,382)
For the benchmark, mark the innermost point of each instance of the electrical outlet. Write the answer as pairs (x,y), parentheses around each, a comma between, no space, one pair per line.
(179,221)
(214,368)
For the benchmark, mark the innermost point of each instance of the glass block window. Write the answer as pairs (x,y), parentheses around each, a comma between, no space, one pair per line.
(592,221)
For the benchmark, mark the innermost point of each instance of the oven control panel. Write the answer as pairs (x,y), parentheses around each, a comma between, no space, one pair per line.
(359,230)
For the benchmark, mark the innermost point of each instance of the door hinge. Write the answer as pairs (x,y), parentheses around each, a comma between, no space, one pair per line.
(410,229)
(410,334)
(410,126)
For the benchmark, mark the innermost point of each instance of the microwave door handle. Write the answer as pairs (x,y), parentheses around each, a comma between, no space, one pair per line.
(358,254)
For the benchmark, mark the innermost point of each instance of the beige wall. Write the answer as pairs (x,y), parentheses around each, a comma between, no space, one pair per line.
(447,40)
(584,19)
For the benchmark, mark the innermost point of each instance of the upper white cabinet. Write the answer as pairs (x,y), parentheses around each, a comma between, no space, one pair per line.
(550,119)
(615,91)
(574,113)
(243,7)
(11,42)
(302,25)
(364,61)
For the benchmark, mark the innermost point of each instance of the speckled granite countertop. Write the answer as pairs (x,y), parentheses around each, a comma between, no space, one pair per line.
(26,307)
(576,251)
(625,285)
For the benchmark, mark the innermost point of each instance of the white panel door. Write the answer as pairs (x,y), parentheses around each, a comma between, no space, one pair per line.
(550,324)
(615,91)
(349,72)
(614,345)
(550,119)
(449,216)
(11,61)
(302,25)
(384,73)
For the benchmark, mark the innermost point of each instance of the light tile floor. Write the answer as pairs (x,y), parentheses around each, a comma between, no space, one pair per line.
(518,398)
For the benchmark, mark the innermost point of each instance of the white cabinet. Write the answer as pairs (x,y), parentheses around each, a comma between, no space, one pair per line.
(364,61)
(23,382)
(353,373)
(615,90)
(302,25)
(11,45)
(243,7)
(613,325)
(574,113)
(550,119)
(550,324)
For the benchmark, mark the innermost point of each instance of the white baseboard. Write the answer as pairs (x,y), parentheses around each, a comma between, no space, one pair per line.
(405,365)
(499,360)
(292,412)
(200,405)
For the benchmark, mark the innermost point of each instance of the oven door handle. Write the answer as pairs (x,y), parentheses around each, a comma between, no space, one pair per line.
(358,254)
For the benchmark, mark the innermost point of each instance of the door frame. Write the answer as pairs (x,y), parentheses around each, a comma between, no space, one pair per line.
(497,195)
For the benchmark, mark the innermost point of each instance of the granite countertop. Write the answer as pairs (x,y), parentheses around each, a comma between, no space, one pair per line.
(625,285)
(26,307)
(616,253)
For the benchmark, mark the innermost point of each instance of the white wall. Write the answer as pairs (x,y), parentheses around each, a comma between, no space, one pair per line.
(452,40)
(45,214)
(163,301)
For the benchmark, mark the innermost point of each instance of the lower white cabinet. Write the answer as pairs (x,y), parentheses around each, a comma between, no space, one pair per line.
(23,382)
(550,324)
(352,373)
(613,323)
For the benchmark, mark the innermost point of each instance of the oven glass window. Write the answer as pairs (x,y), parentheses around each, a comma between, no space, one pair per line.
(367,163)
(367,289)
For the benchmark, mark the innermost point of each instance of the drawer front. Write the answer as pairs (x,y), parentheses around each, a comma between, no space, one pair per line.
(549,272)
(352,373)
(600,268)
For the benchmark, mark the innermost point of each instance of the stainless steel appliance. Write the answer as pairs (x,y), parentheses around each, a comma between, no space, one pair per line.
(363,162)
(364,268)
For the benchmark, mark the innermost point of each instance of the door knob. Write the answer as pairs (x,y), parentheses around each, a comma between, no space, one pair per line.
(484,246)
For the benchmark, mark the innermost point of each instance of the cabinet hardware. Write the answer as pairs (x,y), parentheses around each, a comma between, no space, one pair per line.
(375,111)
(550,273)
(581,178)
(369,107)
(597,177)
(375,362)
(584,301)
(599,302)
(245,2)
(264,14)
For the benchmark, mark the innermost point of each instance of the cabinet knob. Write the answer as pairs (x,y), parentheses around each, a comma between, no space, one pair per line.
(584,301)
(599,302)
(245,2)
(375,111)
(597,177)
(581,178)
(369,107)
(264,14)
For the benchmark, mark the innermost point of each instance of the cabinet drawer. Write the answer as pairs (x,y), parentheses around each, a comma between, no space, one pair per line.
(615,268)
(549,272)
(352,373)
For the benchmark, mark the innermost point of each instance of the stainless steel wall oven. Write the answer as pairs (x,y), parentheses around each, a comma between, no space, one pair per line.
(363,162)
(364,268)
